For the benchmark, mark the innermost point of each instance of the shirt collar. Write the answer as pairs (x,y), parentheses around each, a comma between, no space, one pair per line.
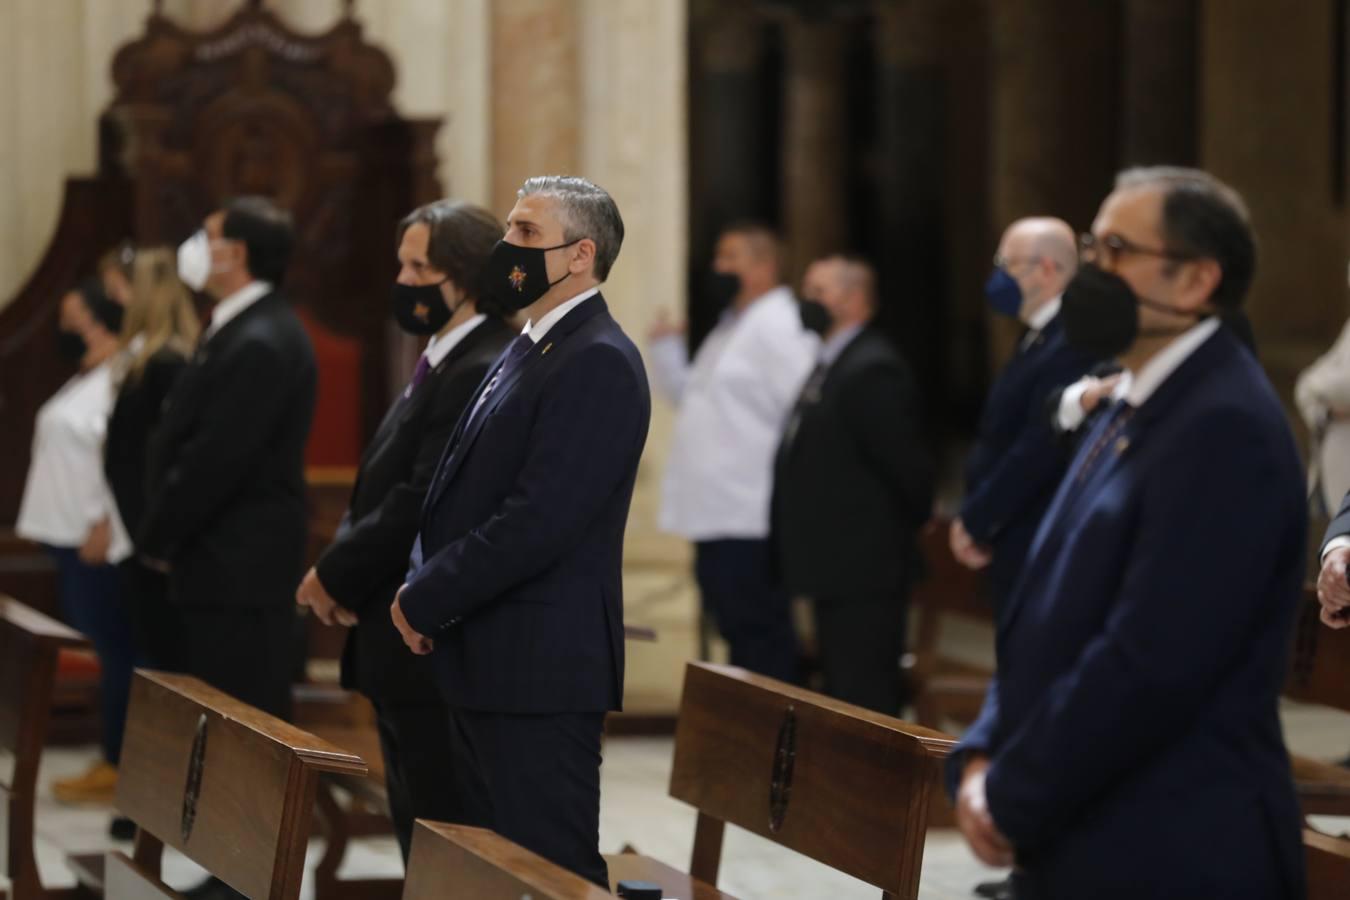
(1046,313)
(440,345)
(537,332)
(1150,377)
(831,349)
(236,303)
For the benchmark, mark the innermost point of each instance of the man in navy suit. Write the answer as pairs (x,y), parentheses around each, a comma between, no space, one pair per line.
(515,582)
(1017,461)
(1130,745)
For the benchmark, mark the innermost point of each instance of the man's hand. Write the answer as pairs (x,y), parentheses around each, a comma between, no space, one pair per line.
(1097,390)
(665,327)
(158,565)
(312,593)
(967,552)
(417,643)
(973,817)
(1333,591)
(95,549)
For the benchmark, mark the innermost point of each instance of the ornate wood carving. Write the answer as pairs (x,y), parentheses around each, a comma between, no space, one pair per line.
(249,107)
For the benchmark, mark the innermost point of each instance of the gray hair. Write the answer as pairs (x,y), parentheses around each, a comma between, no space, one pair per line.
(586,211)
(1203,218)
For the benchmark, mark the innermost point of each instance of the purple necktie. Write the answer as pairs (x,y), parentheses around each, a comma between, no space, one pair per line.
(515,352)
(419,374)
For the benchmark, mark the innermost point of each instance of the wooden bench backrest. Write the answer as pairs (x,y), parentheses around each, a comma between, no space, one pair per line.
(29,646)
(227,785)
(1328,866)
(450,862)
(845,786)
(1319,666)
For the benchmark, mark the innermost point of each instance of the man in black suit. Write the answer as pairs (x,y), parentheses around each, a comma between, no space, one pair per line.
(515,585)
(1017,461)
(442,248)
(225,515)
(852,485)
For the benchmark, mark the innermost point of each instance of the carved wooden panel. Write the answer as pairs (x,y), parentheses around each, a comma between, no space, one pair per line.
(251,107)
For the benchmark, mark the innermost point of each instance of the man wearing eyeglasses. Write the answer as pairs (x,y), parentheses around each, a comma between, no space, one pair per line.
(1016,463)
(1130,744)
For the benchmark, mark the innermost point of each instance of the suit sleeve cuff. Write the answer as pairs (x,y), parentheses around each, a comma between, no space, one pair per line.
(1335,543)
(1070,414)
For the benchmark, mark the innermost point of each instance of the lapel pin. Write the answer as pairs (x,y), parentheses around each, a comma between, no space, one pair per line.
(547,347)
(1122,444)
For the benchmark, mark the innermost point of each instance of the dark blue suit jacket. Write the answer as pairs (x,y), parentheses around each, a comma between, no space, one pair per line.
(1017,460)
(1133,728)
(516,574)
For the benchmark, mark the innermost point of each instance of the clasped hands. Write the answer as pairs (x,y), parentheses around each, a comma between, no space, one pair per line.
(975,821)
(1333,590)
(314,595)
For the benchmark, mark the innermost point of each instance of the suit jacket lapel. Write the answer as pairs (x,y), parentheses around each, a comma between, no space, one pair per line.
(1063,510)
(471,423)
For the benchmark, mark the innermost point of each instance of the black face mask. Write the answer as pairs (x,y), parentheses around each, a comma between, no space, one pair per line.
(518,276)
(722,287)
(1101,313)
(108,312)
(815,317)
(420,308)
(71,345)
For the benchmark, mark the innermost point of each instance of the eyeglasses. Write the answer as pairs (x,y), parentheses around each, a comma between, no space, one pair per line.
(1109,248)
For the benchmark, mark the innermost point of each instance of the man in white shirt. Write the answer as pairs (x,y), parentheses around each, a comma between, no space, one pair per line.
(733,403)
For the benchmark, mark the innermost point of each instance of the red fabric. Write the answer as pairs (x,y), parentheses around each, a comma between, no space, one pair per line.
(335,437)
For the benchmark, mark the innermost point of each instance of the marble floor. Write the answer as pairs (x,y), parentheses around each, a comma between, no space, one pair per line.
(636,810)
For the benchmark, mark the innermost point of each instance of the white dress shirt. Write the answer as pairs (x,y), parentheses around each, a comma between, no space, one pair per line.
(833,347)
(733,404)
(440,345)
(66,493)
(554,316)
(1136,388)
(236,303)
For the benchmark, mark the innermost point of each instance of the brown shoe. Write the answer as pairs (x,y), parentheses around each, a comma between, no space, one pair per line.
(98,785)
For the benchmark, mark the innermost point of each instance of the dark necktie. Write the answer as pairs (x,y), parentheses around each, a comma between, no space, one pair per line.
(809,396)
(515,352)
(1120,417)
(419,374)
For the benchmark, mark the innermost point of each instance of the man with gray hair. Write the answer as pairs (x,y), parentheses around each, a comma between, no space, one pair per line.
(514,590)
(1142,652)
(1017,460)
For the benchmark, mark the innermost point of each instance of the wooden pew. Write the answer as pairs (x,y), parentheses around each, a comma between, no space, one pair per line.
(1319,672)
(845,786)
(455,862)
(943,688)
(1328,866)
(225,784)
(367,813)
(30,645)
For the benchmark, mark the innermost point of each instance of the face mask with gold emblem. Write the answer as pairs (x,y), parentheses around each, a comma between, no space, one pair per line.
(518,276)
(420,308)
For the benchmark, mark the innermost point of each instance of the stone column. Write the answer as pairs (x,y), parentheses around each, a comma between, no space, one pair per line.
(815,129)
(536,94)
(1160,82)
(910,250)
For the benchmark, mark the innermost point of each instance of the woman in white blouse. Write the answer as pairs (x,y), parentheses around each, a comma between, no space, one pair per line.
(68,508)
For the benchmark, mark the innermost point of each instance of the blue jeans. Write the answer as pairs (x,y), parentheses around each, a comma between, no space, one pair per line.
(91,602)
